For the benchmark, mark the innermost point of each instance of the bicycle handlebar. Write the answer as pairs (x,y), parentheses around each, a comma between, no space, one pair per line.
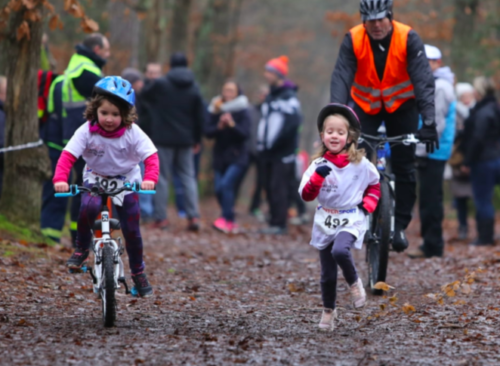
(75,190)
(404,139)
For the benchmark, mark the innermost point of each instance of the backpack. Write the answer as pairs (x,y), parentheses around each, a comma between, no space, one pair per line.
(45,79)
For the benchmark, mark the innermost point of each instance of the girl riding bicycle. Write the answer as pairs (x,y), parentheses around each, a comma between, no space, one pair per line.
(347,187)
(112,147)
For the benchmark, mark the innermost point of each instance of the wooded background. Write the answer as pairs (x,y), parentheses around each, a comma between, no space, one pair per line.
(226,38)
(223,38)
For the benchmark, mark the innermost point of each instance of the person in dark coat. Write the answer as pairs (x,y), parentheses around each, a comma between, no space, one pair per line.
(229,125)
(481,148)
(175,123)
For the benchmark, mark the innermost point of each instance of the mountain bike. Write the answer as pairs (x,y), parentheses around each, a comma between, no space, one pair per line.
(108,271)
(381,223)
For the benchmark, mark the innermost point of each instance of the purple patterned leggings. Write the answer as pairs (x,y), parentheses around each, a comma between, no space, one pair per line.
(129,215)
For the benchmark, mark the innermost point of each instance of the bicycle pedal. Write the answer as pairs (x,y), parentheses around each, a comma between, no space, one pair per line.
(134,292)
(82,269)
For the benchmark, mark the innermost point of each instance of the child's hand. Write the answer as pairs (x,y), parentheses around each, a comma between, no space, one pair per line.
(148,185)
(61,187)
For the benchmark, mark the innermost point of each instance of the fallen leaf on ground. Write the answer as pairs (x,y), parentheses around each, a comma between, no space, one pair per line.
(407,308)
(383,286)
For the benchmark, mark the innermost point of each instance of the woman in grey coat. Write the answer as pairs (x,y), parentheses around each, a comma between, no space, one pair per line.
(461,187)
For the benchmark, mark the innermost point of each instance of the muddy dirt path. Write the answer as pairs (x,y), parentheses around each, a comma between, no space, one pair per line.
(249,299)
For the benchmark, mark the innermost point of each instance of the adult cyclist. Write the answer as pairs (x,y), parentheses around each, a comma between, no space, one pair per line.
(383,69)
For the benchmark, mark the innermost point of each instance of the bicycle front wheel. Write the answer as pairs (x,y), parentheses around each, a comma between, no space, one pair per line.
(108,288)
(377,249)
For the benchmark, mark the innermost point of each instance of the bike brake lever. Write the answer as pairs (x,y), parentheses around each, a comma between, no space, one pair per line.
(411,139)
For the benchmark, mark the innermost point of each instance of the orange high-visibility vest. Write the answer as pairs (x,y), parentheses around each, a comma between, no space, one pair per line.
(368,91)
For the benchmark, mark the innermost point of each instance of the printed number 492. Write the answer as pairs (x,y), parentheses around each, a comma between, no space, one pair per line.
(335,222)
(107,185)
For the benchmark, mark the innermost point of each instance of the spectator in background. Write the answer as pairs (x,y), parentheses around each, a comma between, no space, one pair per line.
(481,147)
(136,78)
(66,103)
(277,141)
(256,115)
(3,97)
(229,125)
(153,71)
(431,165)
(176,114)
(461,187)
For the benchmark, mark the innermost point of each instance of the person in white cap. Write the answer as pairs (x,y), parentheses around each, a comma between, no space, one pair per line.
(460,186)
(431,165)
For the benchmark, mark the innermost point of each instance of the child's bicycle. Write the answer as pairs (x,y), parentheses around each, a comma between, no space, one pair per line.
(108,271)
(381,223)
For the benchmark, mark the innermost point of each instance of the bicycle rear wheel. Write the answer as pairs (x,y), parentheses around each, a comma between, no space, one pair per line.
(377,249)
(108,288)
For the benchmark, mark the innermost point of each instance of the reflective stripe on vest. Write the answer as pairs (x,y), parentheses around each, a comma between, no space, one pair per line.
(77,65)
(368,91)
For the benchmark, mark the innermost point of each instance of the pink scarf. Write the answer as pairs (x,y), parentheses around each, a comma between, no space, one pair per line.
(95,127)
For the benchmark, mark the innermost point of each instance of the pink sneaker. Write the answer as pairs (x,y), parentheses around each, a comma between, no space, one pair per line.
(222,225)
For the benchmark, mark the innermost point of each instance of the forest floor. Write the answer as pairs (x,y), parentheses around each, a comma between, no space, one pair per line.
(249,299)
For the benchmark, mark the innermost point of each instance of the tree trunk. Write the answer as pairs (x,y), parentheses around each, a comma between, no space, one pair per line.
(123,36)
(180,24)
(25,170)
(153,31)
(216,42)
(464,40)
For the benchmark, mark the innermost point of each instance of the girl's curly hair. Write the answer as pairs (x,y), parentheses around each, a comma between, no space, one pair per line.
(127,112)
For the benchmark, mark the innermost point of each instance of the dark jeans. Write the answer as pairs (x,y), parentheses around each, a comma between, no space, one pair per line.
(259,183)
(76,201)
(461,204)
(129,215)
(430,174)
(336,254)
(403,121)
(484,176)
(277,175)
(53,208)
(225,189)
(180,199)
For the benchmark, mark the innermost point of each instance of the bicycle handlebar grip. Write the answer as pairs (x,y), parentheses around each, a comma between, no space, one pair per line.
(73,191)
(146,192)
(66,194)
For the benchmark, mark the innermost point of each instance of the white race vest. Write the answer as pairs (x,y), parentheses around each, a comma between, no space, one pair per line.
(329,222)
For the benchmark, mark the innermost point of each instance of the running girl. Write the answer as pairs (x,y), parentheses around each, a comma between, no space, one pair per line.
(112,146)
(347,187)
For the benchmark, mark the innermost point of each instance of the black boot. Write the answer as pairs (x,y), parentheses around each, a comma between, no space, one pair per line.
(485,233)
(399,241)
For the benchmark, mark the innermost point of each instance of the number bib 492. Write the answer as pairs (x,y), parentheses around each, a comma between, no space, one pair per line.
(110,184)
(329,221)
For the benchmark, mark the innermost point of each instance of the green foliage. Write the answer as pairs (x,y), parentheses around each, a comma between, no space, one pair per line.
(22,233)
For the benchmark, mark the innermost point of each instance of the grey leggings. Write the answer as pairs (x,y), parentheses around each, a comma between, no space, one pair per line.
(337,253)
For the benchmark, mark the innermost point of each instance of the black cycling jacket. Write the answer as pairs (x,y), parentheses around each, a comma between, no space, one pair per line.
(418,69)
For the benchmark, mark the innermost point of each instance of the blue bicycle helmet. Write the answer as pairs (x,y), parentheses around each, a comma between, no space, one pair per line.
(117,87)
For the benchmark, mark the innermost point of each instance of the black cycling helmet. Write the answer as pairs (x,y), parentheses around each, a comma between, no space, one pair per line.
(336,108)
(375,9)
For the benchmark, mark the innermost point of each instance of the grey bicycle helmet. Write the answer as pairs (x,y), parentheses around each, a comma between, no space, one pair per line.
(336,108)
(375,9)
